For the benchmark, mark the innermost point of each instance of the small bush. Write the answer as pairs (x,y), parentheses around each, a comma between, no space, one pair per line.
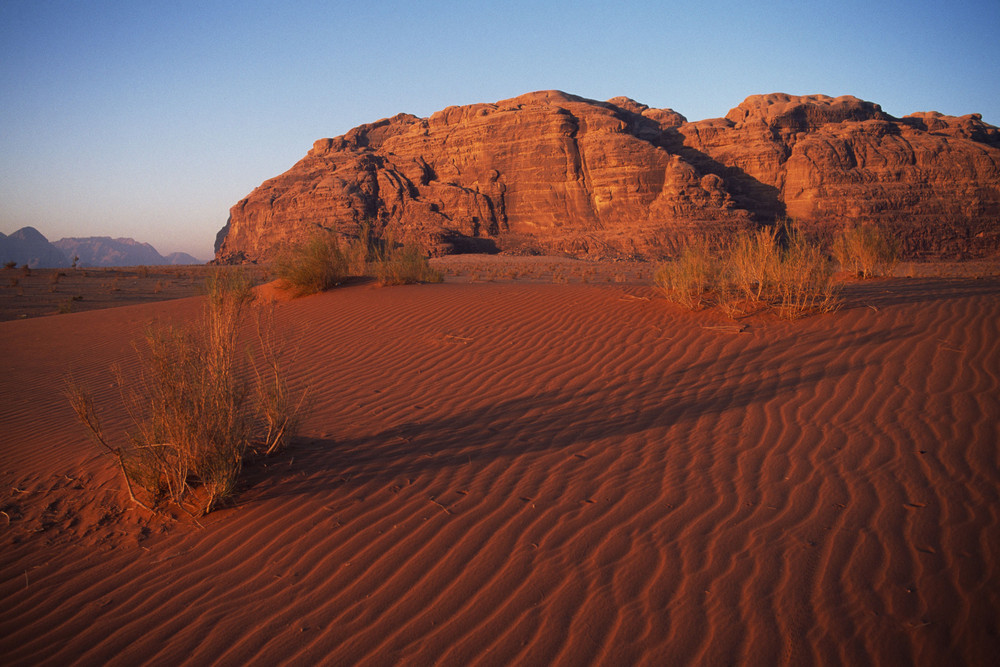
(404,265)
(194,409)
(866,251)
(688,279)
(315,265)
(9,265)
(803,281)
(753,259)
(752,272)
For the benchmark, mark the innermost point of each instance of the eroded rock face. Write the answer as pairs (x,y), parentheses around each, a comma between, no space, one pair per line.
(554,172)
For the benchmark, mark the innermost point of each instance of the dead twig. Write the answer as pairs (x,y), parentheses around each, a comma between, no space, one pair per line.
(727,329)
(446,510)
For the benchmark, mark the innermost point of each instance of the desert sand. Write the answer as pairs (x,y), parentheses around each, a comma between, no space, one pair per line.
(535,473)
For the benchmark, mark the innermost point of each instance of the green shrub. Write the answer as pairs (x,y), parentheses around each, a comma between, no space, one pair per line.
(866,251)
(312,266)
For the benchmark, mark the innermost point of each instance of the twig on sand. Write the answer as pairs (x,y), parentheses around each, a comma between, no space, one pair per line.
(728,329)
(633,297)
(6,515)
(446,510)
(25,580)
(174,556)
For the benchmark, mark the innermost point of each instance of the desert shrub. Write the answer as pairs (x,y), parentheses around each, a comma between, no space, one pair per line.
(688,279)
(803,281)
(195,407)
(750,273)
(404,265)
(277,405)
(866,251)
(312,266)
(9,265)
(752,261)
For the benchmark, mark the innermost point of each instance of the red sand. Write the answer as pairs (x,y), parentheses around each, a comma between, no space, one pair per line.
(536,474)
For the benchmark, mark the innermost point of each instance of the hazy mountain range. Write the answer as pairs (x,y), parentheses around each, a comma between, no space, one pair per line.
(28,246)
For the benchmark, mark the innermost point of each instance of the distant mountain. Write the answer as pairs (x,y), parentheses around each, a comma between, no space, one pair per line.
(28,246)
(176,258)
(106,251)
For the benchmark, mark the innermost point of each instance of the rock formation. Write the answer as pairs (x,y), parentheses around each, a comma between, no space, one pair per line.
(554,172)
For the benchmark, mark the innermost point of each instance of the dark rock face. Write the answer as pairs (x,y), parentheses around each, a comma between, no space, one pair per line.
(554,172)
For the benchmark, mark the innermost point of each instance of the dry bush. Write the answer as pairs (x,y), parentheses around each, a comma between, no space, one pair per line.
(312,266)
(403,265)
(194,407)
(278,406)
(866,251)
(753,272)
(688,279)
(753,258)
(803,281)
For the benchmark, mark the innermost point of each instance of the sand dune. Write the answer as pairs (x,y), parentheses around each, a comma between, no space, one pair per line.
(537,474)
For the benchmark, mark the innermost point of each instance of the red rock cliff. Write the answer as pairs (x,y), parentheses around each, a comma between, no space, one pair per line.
(561,173)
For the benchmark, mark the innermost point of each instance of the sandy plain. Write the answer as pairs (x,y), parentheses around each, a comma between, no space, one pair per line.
(552,467)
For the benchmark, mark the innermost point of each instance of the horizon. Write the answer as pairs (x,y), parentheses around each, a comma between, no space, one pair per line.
(151,122)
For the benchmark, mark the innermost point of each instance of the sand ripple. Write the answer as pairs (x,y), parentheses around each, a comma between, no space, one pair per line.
(539,474)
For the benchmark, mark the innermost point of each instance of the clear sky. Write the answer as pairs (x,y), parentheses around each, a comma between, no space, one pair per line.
(149,119)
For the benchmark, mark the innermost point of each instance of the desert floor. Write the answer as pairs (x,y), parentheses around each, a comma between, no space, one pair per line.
(521,469)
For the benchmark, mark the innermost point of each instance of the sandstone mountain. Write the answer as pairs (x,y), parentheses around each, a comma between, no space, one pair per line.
(553,172)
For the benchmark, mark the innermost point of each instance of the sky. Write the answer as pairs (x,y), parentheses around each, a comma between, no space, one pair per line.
(150,119)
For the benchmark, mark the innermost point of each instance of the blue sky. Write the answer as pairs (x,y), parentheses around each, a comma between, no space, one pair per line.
(150,119)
